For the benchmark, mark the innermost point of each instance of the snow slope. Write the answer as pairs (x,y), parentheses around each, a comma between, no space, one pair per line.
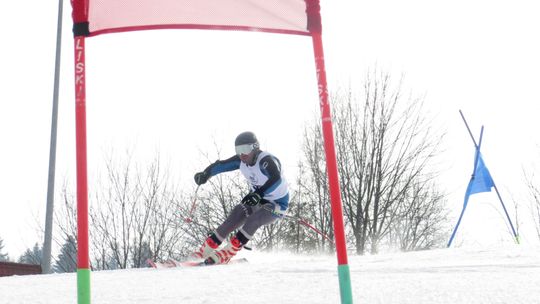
(495,275)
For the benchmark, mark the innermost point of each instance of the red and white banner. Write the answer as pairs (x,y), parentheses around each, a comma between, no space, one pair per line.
(278,16)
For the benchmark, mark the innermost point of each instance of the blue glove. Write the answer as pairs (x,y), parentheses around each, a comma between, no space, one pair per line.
(252,199)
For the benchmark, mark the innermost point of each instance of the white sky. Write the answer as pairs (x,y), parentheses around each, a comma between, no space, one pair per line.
(177,92)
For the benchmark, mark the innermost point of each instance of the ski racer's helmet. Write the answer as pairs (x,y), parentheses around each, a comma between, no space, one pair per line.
(246,142)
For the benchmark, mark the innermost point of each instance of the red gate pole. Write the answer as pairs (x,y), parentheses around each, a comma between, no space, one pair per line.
(80,31)
(315,28)
(83,264)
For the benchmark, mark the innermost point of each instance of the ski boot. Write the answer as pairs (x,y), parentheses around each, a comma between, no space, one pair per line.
(208,248)
(224,255)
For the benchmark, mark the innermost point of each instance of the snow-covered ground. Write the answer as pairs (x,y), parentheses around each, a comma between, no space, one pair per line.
(495,275)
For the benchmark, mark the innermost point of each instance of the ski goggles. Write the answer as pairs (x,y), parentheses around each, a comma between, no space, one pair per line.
(244,149)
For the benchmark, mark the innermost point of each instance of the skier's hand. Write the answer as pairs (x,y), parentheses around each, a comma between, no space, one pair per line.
(201,177)
(252,199)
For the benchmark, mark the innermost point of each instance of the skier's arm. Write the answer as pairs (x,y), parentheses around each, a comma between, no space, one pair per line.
(218,167)
(270,167)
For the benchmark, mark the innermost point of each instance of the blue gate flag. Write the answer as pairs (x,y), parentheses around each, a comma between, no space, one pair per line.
(481,181)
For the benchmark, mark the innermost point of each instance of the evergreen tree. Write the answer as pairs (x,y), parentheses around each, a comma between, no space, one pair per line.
(141,254)
(3,256)
(67,259)
(32,256)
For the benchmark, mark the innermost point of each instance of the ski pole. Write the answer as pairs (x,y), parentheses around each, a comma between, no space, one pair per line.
(302,222)
(188,219)
(306,224)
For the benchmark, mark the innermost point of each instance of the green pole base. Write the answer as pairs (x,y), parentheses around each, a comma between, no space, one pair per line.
(83,286)
(345,284)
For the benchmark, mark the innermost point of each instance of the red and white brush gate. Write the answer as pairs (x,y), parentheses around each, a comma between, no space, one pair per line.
(294,17)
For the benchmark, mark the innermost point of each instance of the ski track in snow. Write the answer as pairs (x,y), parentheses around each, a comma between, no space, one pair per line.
(498,275)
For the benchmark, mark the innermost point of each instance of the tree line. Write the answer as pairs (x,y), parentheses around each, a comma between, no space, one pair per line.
(386,150)
(390,198)
(385,147)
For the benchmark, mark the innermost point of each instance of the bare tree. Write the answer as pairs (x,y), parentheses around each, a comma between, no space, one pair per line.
(307,226)
(312,199)
(534,194)
(133,216)
(419,219)
(65,219)
(384,145)
(164,238)
(156,217)
(136,216)
(113,213)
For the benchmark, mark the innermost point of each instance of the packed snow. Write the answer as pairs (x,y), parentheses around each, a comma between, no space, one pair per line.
(494,275)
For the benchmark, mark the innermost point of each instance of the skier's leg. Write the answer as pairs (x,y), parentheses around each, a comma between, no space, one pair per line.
(259,217)
(236,219)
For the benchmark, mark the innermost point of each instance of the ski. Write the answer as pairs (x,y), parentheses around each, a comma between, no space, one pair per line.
(174,263)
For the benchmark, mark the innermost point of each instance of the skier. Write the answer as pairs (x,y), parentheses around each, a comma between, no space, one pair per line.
(268,188)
